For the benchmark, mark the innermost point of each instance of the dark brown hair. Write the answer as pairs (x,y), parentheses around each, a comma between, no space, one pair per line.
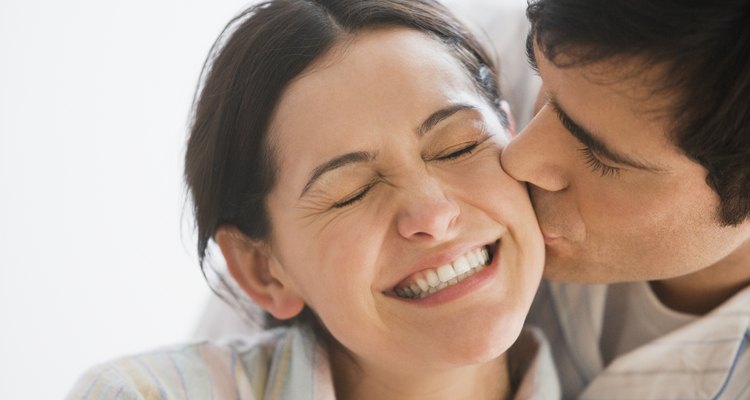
(705,49)
(229,165)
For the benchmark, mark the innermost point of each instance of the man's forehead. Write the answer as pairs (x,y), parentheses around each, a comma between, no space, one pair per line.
(633,77)
(606,118)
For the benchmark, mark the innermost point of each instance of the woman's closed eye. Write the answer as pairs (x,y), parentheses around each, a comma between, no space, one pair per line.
(454,152)
(457,151)
(355,196)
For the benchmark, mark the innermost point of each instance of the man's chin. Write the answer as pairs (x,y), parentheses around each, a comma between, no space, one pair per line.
(566,271)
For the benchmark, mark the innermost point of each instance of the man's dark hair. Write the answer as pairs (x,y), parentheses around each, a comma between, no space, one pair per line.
(704,50)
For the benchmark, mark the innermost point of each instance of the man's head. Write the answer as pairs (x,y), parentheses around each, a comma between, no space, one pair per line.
(639,161)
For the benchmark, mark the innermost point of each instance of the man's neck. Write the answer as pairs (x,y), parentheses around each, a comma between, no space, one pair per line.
(700,292)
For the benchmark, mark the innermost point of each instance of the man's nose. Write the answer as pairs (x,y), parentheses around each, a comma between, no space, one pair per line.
(427,213)
(538,154)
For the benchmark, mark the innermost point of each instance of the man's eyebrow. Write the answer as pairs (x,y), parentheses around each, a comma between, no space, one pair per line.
(336,162)
(530,55)
(596,145)
(441,115)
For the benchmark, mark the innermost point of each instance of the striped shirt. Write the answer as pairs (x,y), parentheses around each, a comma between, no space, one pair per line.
(277,364)
(707,358)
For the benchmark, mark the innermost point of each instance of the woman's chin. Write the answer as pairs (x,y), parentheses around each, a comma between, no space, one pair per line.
(482,343)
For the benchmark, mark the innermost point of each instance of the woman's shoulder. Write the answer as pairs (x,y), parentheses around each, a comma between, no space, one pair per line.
(206,369)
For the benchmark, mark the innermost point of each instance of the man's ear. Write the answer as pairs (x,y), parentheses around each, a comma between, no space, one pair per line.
(254,269)
(511,120)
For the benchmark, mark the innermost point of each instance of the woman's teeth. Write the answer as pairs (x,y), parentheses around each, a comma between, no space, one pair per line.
(427,282)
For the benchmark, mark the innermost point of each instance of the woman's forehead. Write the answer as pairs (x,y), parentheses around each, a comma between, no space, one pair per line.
(383,80)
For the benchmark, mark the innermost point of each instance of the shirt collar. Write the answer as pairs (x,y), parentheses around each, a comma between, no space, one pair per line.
(707,348)
(532,368)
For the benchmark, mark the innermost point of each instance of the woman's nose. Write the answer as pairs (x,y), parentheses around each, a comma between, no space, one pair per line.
(537,155)
(428,213)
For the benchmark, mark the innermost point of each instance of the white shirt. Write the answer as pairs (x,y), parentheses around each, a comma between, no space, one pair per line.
(705,358)
(281,364)
(634,316)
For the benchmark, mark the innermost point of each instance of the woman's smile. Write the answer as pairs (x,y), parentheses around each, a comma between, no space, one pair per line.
(363,196)
(404,195)
(429,281)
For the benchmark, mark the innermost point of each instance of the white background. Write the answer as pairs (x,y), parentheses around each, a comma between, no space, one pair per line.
(94,261)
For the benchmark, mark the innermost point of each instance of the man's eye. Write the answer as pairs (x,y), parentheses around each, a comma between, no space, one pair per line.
(596,165)
(457,151)
(354,197)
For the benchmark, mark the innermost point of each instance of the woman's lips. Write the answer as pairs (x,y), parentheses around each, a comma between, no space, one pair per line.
(427,282)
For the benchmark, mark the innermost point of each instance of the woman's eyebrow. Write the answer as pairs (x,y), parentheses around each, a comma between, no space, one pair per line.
(336,162)
(441,115)
(364,156)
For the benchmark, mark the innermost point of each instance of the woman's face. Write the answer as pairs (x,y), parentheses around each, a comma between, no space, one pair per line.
(389,178)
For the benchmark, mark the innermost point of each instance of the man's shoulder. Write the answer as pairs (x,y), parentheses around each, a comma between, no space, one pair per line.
(712,347)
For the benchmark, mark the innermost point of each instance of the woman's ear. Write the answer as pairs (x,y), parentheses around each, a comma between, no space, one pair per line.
(254,269)
(511,120)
